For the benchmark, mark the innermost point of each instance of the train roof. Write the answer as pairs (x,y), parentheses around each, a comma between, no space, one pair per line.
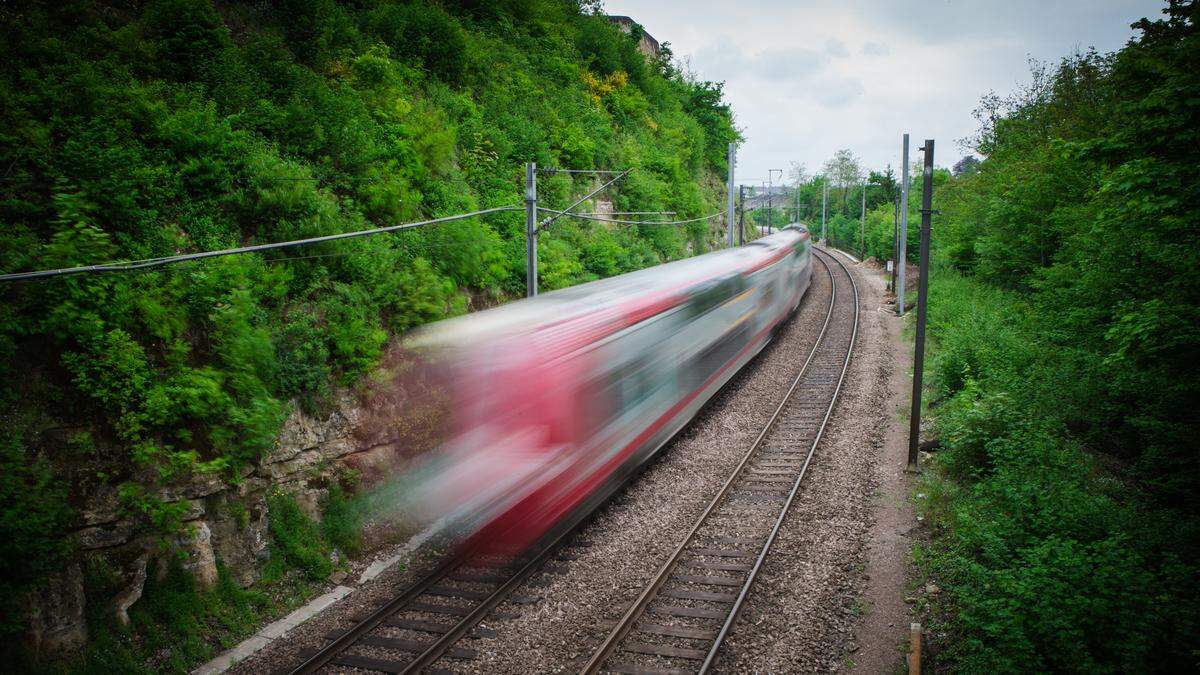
(569,316)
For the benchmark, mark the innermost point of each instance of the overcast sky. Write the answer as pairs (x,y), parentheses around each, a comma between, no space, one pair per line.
(807,77)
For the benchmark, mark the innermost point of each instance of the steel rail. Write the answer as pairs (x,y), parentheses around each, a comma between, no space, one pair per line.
(441,644)
(626,623)
(331,651)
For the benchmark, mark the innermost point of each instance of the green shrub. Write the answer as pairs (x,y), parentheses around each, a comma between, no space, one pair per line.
(426,33)
(1048,563)
(296,539)
(341,523)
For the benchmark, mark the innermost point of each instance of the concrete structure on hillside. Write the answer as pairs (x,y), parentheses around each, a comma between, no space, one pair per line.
(646,44)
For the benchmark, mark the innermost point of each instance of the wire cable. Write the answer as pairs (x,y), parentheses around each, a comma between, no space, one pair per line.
(546,223)
(602,219)
(156,262)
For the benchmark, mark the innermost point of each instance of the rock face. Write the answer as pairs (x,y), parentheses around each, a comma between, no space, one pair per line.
(224,522)
(56,613)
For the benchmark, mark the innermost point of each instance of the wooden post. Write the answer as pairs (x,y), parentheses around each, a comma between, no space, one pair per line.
(914,652)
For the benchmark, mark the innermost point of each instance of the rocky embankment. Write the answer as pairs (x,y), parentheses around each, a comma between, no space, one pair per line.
(224,519)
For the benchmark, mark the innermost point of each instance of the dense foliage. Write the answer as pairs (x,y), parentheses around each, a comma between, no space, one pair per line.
(134,130)
(1067,321)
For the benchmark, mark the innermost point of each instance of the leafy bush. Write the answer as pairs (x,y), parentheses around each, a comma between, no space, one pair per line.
(425,33)
(186,125)
(1049,564)
(296,539)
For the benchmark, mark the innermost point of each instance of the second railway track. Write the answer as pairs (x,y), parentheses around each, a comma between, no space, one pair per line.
(681,618)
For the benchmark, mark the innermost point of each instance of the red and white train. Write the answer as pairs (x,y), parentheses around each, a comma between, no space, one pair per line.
(551,400)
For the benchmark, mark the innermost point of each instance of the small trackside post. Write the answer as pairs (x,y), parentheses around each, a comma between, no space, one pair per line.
(729,222)
(914,424)
(531,225)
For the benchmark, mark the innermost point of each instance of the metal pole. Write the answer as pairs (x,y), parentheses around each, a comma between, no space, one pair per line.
(824,201)
(862,226)
(914,425)
(769,200)
(895,239)
(531,226)
(741,214)
(902,255)
(729,184)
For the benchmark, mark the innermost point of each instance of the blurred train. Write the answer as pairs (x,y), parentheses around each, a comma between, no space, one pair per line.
(550,401)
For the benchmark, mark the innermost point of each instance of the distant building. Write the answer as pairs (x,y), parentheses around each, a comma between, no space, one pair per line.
(647,44)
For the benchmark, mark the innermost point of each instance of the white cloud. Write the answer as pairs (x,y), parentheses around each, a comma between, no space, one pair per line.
(875,49)
(836,48)
(837,92)
(800,91)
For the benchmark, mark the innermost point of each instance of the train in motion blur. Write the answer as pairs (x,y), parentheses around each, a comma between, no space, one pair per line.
(547,403)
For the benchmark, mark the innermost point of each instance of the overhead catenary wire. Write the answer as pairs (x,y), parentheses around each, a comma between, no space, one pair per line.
(567,211)
(167,260)
(550,169)
(602,219)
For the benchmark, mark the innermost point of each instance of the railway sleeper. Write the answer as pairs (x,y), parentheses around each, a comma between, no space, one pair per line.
(369,663)
(686,632)
(691,612)
(403,645)
(707,596)
(708,580)
(661,650)
(722,553)
(634,669)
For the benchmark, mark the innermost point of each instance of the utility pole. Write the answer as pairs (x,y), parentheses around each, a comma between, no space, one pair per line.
(914,427)
(862,226)
(895,239)
(768,189)
(741,214)
(824,201)
(771,193)
(531,225)
(902,255)
(729,184)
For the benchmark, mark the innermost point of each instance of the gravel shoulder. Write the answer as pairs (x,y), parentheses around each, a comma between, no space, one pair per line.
(882,631)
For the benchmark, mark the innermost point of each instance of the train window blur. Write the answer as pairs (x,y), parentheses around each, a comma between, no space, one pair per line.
(714,294)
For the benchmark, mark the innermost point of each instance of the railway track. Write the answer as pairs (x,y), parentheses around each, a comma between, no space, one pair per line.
(426,622)
(679,621)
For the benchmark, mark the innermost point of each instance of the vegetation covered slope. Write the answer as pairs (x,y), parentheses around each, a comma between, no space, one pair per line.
(1066,321)
(135,130)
